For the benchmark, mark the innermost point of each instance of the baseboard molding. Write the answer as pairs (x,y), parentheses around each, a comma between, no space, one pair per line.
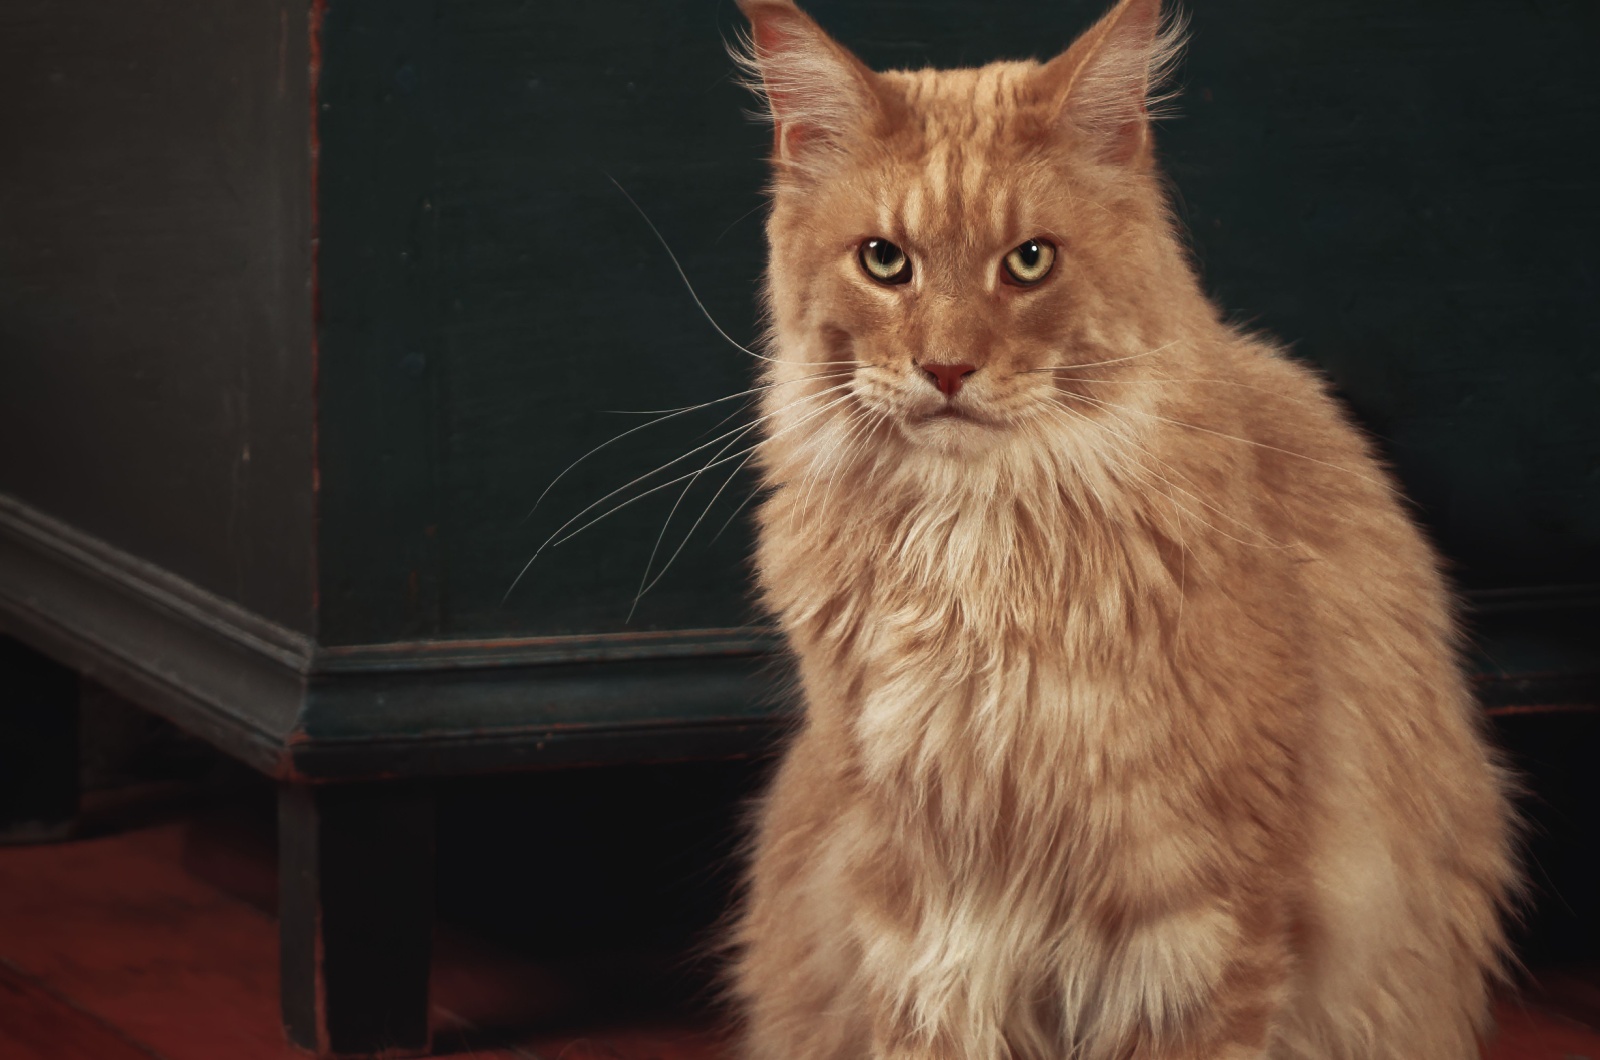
(274,699)
(425,656)
(213,668)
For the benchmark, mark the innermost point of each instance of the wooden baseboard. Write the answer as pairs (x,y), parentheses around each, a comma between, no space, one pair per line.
(293,709)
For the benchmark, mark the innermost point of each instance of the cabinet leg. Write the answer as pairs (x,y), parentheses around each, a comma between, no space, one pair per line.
(355,916)
(38,746)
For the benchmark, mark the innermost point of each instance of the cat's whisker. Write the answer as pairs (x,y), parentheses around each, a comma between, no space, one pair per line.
(763,204)
(641,478)
(834,456)
(744,408)
(1160,479)
(861,426)
(869,421)
(644,580)
(823,458)
(707,511)
(1235,438)
(681,274)
(697,449)
(1088,479)
(670,482)
(668,414)
(646,583)
(684,276)
(1134,445)
(754,493)
(816,461)
(1100,364)
(1266,542)
(743,393)
(1137,381)
(814,471)
(719,424)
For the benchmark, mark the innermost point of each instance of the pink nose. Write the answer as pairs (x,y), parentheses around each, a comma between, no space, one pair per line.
(949,377)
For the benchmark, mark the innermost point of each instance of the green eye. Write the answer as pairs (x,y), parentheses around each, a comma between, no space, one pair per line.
(885,262)
(1030,262)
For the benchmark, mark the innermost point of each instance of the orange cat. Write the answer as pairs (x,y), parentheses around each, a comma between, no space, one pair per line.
(1134,726)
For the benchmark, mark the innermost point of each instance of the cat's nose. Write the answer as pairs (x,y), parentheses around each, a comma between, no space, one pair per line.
(948,377)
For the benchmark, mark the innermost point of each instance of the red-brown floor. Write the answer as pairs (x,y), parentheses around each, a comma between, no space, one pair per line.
(110,950)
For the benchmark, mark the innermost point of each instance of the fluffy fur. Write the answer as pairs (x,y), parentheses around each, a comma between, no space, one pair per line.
(1134,726)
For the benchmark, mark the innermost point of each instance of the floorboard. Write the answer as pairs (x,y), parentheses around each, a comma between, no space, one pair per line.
(37,1025)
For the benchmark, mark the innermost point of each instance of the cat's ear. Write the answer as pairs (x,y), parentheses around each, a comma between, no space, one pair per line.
(1109,81)
(820,97)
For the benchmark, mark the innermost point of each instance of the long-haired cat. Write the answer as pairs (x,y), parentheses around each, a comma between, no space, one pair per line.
(1134,727)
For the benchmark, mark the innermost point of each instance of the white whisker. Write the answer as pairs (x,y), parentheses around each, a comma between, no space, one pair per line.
(1234,438)
(644,579)
(685,278)
(743,393)
(697,449)
(709,505)
(867,421)
(670,482)
(1169,379)
(735,513)
(1098,364)
(1134,444)
(668,414)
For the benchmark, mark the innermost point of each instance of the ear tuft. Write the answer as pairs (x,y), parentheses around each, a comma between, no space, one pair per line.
(1113,81)
(818,95)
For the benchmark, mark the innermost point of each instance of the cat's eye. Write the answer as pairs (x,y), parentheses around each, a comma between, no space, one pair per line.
(1030,262)
(885,262)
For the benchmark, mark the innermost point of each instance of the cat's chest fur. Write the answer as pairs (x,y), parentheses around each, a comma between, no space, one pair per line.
(964,632)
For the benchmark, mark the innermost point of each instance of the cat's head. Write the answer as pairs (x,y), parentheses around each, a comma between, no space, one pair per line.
(943,240)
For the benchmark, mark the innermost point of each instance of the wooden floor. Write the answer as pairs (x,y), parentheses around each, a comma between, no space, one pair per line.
(111,950)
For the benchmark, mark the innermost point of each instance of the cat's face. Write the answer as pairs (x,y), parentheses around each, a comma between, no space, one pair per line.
(944,241)
(959,263)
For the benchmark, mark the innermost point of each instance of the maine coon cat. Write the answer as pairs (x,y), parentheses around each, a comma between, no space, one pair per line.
(1133,724)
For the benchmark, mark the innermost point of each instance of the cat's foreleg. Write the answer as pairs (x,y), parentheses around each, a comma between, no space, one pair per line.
(796,961)
(927,1001)
(899,1043)
(1233,1013)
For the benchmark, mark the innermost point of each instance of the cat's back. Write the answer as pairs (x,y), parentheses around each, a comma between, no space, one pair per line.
(1410,831)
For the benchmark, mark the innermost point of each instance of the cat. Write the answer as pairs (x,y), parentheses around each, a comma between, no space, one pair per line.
(1133,721)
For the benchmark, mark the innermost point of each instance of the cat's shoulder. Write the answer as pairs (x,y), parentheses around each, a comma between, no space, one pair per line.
(1276,376)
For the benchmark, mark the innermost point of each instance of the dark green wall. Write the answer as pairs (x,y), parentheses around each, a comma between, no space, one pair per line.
(1406,193)
(1403,192)
(487,294)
